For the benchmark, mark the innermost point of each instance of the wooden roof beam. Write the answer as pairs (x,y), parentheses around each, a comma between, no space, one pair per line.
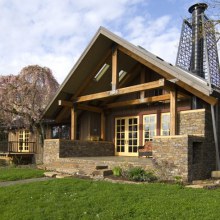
(69,104)
(158,98)
(131,89)
(139,101)
(209,99)
(90,77)
(115,75)
(85,84)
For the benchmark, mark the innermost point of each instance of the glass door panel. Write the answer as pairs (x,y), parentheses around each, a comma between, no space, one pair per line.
(126,136)
(23,141)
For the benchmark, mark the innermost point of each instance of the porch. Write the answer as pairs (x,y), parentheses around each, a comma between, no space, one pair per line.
(82,157)
(17,147)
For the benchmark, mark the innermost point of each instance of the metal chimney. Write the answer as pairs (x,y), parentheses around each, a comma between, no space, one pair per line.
(197,52)
(197,11)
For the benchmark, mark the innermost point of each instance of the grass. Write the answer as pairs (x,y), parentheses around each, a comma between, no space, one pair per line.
(9,173)
(85,199)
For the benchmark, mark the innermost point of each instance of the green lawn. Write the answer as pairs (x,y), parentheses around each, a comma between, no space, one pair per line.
(8,173)
(85,199)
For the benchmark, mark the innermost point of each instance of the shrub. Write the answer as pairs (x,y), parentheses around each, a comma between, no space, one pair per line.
(178,179)
(117,171)
(139,174)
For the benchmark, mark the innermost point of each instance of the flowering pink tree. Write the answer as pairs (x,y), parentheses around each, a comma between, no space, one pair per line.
(24,97)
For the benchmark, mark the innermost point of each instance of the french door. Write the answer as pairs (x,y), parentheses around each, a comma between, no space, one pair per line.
(23,141)
(126,136)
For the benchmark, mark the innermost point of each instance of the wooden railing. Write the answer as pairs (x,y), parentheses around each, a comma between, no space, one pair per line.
(16,147)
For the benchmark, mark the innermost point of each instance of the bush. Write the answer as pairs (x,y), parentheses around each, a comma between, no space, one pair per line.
(117,171)
(140,175)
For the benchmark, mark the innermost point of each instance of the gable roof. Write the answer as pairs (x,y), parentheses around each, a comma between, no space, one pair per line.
(100,45)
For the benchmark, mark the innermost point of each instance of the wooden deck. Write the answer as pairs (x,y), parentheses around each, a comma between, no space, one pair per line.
(15,147)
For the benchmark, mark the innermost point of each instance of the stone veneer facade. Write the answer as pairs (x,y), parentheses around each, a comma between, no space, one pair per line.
(189,155)
(54,149)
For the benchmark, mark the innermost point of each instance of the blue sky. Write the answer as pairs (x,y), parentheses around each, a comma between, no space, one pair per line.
(54,33)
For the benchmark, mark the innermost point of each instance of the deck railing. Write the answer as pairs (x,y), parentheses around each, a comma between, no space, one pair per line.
(17,147)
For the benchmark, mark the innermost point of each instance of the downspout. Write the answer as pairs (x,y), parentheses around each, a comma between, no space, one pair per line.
(215,137)
(214,117)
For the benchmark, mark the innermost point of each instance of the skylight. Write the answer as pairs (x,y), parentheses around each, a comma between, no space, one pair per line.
(122,74)
(101,72)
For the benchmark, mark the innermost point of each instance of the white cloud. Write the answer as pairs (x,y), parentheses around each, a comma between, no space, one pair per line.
(155,35)
(53,33)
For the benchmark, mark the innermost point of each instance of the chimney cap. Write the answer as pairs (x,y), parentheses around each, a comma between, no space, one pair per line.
(203,6)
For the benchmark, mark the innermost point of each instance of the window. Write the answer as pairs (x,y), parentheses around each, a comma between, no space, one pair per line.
(61,132)
(165,124)
(149,127)
(101,72)
(122,74)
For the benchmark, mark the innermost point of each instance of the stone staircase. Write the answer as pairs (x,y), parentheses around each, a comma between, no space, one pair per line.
(88,169)
(95,167)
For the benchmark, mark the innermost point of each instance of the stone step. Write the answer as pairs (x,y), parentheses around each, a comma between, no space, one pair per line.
(102,173)
(198,186)
(62,176)
(50,174)
(101,167)
(216,174)
(204,186)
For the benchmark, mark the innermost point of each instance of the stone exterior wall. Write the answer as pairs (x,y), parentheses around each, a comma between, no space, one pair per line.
(76,148)
(192,122)
(55,149)
(51,150)
(191,154)
(170,156)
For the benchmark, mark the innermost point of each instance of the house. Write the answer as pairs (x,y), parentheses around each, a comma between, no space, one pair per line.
(21,134)
(119,97)
(22,145)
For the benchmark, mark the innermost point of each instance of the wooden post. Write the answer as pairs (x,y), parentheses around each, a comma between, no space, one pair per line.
(173,112)
(114,69)
(142,93)
(102,126)
(73,123)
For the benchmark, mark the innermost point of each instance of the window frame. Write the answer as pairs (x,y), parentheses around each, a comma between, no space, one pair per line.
(161,124)
(155,130)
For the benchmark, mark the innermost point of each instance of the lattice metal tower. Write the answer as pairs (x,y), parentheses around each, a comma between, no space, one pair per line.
(197,51)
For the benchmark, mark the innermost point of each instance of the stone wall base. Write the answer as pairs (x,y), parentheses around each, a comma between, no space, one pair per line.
(54,149)
(183,156)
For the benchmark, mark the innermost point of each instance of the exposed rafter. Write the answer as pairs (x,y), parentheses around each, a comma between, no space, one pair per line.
(158,98)
(69,104)
(137,88)
(85,84)
(165,73)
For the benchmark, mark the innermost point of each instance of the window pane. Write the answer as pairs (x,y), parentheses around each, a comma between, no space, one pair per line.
(134,134)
